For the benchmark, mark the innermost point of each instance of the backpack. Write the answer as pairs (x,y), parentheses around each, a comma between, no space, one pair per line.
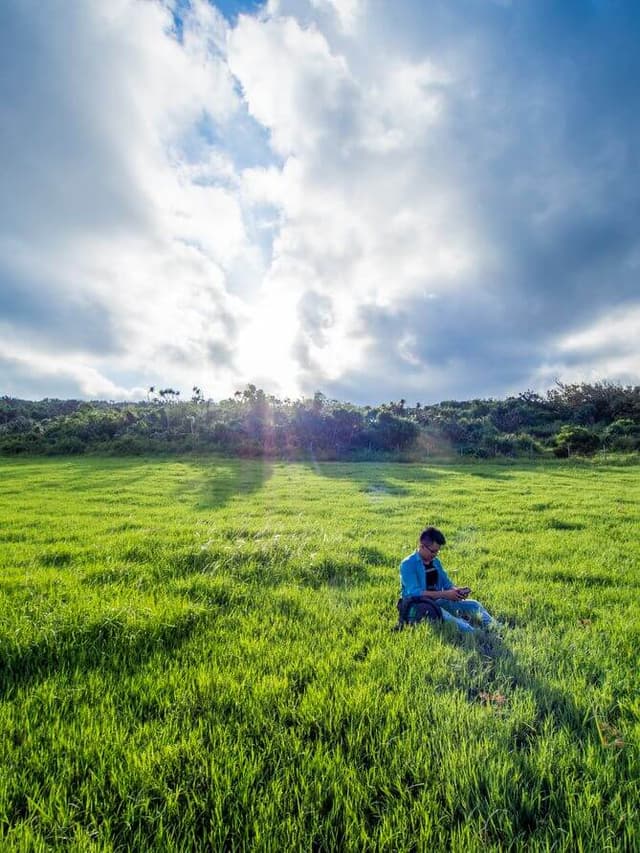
(415,609)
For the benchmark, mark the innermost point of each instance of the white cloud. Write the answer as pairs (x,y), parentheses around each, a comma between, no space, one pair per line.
(619,329)
(347,12)
(356,225)
(42,374)
(605,349)
(292,82)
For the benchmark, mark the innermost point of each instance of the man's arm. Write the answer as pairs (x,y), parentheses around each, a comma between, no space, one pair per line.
(453,594)
(412,582)
(410,578)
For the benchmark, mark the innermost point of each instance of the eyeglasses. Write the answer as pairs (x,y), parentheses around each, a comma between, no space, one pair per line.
(430,550)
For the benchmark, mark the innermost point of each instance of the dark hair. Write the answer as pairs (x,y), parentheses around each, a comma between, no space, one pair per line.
(432,534)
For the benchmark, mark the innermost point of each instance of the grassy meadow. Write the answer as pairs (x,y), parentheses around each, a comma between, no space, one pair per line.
(198,655)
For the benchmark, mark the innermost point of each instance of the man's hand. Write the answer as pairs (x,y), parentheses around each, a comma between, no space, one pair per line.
(455,594)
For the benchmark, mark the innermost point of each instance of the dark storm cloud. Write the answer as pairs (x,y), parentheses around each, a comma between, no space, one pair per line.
(220,353)
(560,197)
(40,315)
(541,137)
(315,312)
(64,176)
(431,351)
(221,348)
(62,165)
(20,380)
(315,316)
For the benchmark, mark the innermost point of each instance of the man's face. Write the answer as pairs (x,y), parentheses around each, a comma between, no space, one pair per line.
(428,550)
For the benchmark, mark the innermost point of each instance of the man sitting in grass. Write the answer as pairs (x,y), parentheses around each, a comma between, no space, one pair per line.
(422,577)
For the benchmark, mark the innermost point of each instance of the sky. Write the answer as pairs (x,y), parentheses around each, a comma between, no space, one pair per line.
(377,200)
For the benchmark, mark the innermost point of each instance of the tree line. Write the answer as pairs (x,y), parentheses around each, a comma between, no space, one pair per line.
(570,419)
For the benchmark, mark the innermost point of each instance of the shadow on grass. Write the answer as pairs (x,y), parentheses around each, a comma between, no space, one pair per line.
(492,667)
(490,474)
(378,478)
(601,581)
(91,473)
(222,480)
(493,671)
(210,482)
(561,524)
(332,572)
(393,475)
(110,645)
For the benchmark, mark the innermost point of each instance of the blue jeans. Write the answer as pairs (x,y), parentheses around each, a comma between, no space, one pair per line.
(452,612)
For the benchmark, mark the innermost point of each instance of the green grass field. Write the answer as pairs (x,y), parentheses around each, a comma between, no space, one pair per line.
(198,655)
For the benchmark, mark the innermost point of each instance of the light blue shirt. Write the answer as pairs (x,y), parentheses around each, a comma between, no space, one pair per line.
(413,576)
